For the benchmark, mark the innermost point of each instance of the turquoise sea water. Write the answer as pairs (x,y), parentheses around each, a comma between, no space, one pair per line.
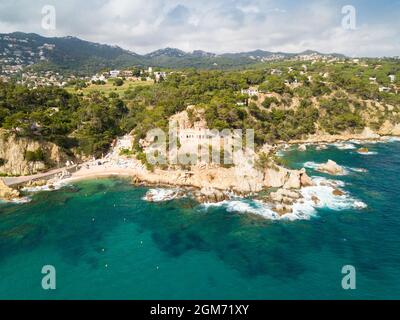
(107,243)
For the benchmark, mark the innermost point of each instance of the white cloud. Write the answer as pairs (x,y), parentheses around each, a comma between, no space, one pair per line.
(218,26)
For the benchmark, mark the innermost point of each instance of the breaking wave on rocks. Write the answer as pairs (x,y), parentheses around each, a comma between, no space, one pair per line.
(344,146)
(55,186)
(161,194)
(324,191)
(369,153)
(322,195)
(17,200)
(391,139)
(347,170)
(244,206)
(312,165)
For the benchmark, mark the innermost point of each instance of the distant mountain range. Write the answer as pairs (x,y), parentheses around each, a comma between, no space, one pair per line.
(73,55)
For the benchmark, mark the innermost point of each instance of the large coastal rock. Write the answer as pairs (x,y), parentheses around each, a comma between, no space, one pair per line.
(210,195)
(7,193)
(389,128)
(369,134)
(278,177)
(331,167)
(283,200)
(237,179)
(275,177)
(12,155)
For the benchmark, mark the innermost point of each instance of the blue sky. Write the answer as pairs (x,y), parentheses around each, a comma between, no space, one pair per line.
(217,25)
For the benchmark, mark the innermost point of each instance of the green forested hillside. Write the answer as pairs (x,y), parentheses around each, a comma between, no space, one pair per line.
(328,97)
(70,55)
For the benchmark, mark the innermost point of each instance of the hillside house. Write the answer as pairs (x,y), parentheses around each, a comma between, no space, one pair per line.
(114,73)
(250,92)
(384,89)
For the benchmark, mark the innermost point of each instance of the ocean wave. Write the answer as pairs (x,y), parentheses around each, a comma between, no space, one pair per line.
(315,165)
(324,190)
(256,207)
(360,170)
(321,195)
(55,186)
(161,194)
(244,206)
(311,165)
(369,153)
(391,139)
(17,200)
(344,146)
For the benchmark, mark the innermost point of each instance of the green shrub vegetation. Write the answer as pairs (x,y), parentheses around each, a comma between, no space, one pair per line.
(33,156)
(331,96)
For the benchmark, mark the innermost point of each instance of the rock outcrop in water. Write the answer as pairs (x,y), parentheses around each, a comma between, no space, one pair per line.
(283,200)
(278,177)
(331,167)
(210,195)
(7,193)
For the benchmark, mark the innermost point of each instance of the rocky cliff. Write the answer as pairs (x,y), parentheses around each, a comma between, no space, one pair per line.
(13,155)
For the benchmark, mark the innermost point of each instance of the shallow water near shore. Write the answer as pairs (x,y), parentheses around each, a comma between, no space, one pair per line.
(106,242)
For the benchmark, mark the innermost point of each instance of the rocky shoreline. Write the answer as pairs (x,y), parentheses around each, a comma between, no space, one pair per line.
(216,184)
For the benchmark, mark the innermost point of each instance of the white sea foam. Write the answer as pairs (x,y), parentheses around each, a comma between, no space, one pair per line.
(55,186)
(304,208)
(161,194)
(391,139)
(315,166)
(344,146)
(245,206)
(17,200)
(255,207)
(369,153)
(324,189)
(312,165)
(360,170)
